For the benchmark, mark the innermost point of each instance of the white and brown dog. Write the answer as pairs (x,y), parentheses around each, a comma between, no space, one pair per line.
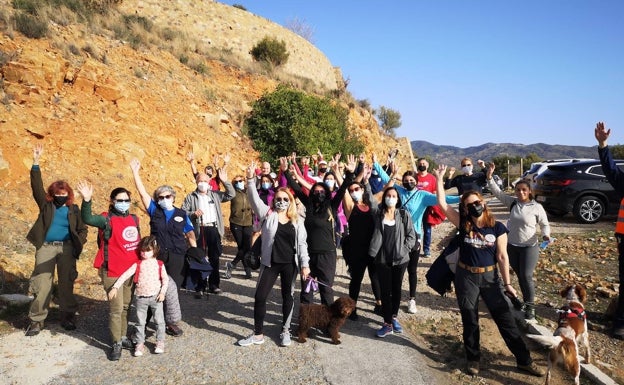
(571,332)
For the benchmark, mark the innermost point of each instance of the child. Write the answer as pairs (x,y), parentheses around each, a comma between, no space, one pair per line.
(151,285)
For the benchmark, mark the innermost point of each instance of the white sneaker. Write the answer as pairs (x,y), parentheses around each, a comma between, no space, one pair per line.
(138,350)
(160,347)
(411,306)
(252,340)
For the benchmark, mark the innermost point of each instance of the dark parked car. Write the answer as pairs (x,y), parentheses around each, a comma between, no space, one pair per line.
(578,187)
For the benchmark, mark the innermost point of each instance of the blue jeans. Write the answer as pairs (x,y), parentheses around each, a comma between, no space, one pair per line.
(426,238)
(142,304)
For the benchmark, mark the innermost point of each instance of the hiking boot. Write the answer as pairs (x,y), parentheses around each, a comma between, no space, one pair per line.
(69,321)
(115,353)
(354,316)
(173,330)
(532,369)
(384,331)
(472,368)
(160,347)
(285,338)
(396,326)
(228,270)
(247,272)
(34,328)
(252,339)
(411,306)
(126,343)
(139,350)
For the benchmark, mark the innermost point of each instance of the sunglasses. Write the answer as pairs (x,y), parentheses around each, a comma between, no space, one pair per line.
(238,180)
(354,189)
(164,197)
(473,203)
(280,199)
(466,165)
(122,200)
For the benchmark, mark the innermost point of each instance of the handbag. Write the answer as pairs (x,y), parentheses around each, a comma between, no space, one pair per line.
(252,257)
(441,274)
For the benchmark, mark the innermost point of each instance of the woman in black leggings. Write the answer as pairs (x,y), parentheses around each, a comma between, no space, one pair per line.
(284,253)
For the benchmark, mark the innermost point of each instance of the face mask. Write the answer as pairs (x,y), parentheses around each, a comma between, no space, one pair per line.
(147,254)
(356,196)
(60,200)
(374,172)
(422,168)
(265,185)
(239,185)
(409,186)
(318,197)
(467,169)
(166,204)
(122,207)
(391,201)
(475,210)
(330,183)
(281,205)
(322,170)
(203,186)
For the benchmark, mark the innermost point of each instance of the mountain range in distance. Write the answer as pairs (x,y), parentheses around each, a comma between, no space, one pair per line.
(452,155)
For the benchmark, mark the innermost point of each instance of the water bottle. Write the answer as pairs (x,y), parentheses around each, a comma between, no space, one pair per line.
(545,244)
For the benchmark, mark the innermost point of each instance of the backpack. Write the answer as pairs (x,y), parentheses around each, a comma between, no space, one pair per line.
(105,234)
(138,269)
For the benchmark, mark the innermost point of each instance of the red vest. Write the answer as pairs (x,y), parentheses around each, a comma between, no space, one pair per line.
(122,245)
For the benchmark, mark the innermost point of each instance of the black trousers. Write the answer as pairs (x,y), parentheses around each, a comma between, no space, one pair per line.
(210,241)
(412,269)
(469,287)
(242,236)
(266,280)
(323,268)
(390,282)
(358,267)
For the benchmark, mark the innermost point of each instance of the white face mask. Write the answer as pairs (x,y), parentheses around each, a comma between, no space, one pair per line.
(166,204)
(330,183)
(203,186)
(281,205)
(467,169)
(391,201)
(356,195)
(239,185)
(147,254)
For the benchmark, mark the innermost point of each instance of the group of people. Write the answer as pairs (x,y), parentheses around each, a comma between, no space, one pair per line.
(300,214)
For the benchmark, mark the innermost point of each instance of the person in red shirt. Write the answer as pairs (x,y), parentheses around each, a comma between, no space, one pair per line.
(433,215)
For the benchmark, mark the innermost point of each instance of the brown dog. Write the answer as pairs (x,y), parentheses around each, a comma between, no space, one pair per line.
(571,332)
(330,317)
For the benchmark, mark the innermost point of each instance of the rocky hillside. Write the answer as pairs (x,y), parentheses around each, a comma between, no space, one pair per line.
(95,102)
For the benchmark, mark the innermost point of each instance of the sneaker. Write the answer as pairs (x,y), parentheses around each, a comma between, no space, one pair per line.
(160,347)
(427,254)
(384,331)
(139,350)
(532,369)
(34,328)
(127,343)
(285,338)
(199,295)
(69,321)
(396,326)
(252,340)
(216,290)
(248,272)
(411,306)
(354,316)
(228,270)
(472,368)
(173,330)
(115,353)
(377,309)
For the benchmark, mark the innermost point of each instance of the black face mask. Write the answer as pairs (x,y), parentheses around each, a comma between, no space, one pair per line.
(409,186)
(318,197)
(322,170)
(422,168)
(60,200)
(475,210)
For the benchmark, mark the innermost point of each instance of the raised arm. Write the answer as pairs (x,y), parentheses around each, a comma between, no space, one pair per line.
(450,212)
(135,165)
(496,191)
(257,205)
(86,190)
(190,157)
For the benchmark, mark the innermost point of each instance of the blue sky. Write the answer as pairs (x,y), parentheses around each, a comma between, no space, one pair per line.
(465,72)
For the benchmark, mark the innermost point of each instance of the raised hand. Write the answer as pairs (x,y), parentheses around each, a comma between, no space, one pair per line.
(37,152)
(601,134)
(251,170)
(351,163)
(490,170)
(135,165)
(440,171)
(190,157)
(85,189)
(222,173)
(283,163)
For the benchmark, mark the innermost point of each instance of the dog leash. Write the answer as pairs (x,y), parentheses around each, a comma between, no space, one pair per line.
(313,284)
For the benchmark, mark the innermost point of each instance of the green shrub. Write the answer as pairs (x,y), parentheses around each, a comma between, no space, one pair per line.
(270,50)
(31,7)
(239,6)
(30,26)
(288,120)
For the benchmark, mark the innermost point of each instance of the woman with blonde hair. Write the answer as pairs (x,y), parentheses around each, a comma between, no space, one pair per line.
(284,252)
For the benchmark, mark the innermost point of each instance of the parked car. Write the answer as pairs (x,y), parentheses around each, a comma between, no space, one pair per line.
(539,167)
(577,187)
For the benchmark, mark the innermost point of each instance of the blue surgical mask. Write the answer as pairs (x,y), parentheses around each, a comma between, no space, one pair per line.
(330,183)
(390,201)
(166,204)
(239,185)
(122,207)
(266,185)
